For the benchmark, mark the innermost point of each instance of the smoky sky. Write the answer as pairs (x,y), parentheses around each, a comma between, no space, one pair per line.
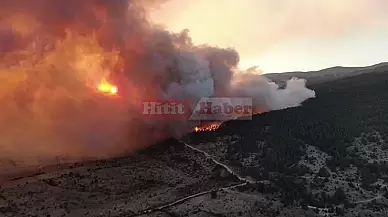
(303,34)
(57,51)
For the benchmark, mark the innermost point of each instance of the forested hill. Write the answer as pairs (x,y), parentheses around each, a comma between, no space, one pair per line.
(337,141)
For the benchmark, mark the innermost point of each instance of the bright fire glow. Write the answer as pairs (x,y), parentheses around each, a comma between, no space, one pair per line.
(107,88)
(210,127)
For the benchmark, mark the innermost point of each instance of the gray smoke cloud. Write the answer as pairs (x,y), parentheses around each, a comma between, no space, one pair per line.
(55,51)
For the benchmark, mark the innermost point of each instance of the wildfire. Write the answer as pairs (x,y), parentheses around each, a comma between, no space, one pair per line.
(210,127)
(105,87)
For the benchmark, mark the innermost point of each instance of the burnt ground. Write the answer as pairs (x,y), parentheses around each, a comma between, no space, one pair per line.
(325,158)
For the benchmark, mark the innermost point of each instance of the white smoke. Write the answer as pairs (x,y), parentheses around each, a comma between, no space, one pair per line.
(199,79)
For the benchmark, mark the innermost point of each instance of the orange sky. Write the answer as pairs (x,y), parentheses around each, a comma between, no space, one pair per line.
(286,35)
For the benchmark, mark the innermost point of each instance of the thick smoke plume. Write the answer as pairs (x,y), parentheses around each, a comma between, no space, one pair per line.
(54,53)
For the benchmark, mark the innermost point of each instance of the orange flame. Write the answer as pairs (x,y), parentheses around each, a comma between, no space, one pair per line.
(107,88)
(210,127)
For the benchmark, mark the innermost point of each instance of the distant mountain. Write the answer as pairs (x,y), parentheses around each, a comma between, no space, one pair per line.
(328,74)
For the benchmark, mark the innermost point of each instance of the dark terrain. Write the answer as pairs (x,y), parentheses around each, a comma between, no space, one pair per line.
(328,157)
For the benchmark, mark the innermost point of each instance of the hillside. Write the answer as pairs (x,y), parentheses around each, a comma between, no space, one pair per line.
(337,140)
(327,157)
